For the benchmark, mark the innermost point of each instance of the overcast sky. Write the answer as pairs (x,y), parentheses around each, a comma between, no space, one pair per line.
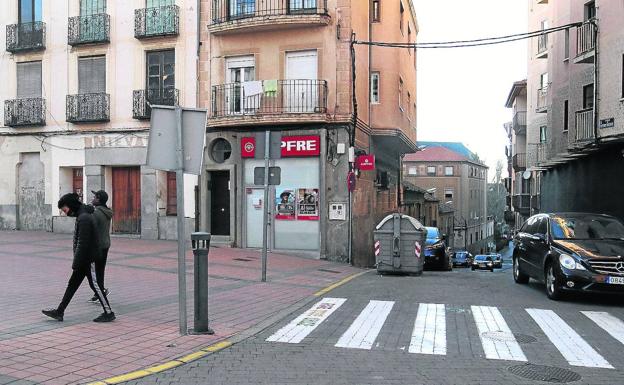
(462,91)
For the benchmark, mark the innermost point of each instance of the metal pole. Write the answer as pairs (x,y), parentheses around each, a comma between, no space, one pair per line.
(265,221)
(180,215)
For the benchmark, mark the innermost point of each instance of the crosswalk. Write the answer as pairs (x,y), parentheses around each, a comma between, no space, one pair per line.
(429,331)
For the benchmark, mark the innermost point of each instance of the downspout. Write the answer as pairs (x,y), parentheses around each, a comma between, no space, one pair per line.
(596,80)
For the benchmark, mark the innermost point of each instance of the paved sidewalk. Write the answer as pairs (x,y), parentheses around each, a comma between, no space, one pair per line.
(143,282)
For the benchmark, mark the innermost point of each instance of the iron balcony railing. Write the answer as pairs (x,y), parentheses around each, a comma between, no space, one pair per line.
(88,108)
(522,202)
(541,152)
(156,21)
(585,125)
(88,29)
(519,162)
(25,36)
(585,38)
(300,96)
(228,10)
(519,122)
(542,99)
(140,99)
(24,112)
(542,44)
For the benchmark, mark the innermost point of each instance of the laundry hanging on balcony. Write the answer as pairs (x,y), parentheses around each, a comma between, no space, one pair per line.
(252,88)
(270,88)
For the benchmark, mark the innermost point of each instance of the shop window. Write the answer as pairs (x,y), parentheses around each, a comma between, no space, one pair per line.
(221,150)
(172,208)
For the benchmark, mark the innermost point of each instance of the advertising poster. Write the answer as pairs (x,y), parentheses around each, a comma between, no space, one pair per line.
(308,204)
(285,204)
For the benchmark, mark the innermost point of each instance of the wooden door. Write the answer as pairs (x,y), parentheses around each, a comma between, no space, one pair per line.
(127,200)
(220,205)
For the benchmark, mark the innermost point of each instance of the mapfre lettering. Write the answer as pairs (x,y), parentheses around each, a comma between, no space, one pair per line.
(300,146)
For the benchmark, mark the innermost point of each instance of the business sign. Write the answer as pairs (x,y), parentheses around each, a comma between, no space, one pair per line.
(365,162)
(607,123)
(248,147)
(301,146)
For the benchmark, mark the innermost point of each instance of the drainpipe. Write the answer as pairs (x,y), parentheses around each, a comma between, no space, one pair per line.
(594,22)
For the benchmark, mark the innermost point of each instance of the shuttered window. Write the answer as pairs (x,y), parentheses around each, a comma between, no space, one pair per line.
(92,75)
(29,80)
(92,7)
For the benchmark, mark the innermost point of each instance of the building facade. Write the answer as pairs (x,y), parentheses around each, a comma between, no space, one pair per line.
(286,68)
(78,81)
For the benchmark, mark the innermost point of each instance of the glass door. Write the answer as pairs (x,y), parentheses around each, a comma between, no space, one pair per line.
(241,8)
(161,77)
(92,26)
(239,70)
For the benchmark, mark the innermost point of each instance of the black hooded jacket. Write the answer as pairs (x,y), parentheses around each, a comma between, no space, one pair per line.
(86,242)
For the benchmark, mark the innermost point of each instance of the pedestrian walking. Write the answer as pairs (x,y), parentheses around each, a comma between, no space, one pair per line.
(103,215)
(86,250)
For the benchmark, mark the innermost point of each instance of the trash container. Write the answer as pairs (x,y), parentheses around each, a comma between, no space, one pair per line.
(400,245)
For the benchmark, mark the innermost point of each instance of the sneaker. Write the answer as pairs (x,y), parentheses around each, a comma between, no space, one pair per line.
(95,298)
(53,313)
(105,317)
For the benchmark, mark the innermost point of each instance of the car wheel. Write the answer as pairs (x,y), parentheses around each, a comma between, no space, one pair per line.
(519,276)
(553,287)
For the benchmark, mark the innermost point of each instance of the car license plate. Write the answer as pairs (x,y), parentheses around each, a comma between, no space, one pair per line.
(615,280)
(482,265)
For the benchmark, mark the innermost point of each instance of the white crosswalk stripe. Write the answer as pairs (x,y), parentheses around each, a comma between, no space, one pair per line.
(429,335)
(498,341)
(571,345)
(609,323)
(364,330)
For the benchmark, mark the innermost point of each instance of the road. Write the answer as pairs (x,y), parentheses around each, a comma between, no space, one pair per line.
(458,327)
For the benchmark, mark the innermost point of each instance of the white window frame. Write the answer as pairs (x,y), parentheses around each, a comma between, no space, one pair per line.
(446,171)
(429,170)
(412,170)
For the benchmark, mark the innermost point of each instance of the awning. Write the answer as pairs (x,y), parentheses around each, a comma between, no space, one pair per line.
(392,141)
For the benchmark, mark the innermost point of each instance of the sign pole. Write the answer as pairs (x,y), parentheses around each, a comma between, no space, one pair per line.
(180,215)
(267,143)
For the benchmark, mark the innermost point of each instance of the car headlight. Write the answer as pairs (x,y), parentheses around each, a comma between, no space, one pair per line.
(570,263)
(489,263)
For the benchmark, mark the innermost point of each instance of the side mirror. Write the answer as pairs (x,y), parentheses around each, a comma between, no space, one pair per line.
(539,236)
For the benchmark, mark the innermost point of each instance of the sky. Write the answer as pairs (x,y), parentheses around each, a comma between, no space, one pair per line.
(462,91)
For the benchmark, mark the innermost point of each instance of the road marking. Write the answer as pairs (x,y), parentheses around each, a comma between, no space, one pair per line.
(490,322)
(609,323)
(573,348)
(429,335)
(364,330)
(300,327)
(339,283)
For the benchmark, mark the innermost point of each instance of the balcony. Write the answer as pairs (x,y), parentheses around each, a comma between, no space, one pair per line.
(535,202)
(519,122)
(519,162)
(585,125)
(542,100)
(542,46)
(157,22)
(522,203)
(140,99)
(237,15)
(24,112)
(585,43)
(88,108)
(541,152)
(91,29)
(510,217)
(292,101)
(25,37)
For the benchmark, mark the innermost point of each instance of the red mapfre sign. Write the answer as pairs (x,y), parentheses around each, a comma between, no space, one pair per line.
(365,162)
(299,146)
(248,147)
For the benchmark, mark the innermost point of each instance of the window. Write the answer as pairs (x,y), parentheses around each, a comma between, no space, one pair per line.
(77,181)
(376,11)
(566,45)
(401,94)
(565,115)
(92,75)
(402,13)
(161,77)
(375,88)
(92,7)
(409,37)
(172,208)
(588,96)
(448,170)
(448,194)
(590,10)
(543,137)
(221,150)
(409,103)
(412,171)
(544,81)
(29,11)
(431,170)
(29,80)
(622,76)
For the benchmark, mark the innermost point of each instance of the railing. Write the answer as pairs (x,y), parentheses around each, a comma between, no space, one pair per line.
(85,108)
(542,44)
(522,201)
(542,152)
(88,29)
(163,97)
(229,10)
(585,125)
(519,161)
(24,112)
(25,36)
(289,96)
(542,99)
(156,21)
(519,121)
(585,38)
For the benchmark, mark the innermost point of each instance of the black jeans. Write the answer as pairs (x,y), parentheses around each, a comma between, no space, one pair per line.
(100,266)
(74,283)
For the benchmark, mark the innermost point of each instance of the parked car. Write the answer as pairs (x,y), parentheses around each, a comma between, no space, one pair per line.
(435,250)
(497,259)
(482,262)
(462,258)
(571,252)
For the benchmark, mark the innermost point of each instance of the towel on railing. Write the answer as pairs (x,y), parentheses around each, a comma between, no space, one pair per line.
(270,87)
(252,88)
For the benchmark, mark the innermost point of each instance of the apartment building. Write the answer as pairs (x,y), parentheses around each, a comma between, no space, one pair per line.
(454,176)
(286,67)
(78,78)
(575,113)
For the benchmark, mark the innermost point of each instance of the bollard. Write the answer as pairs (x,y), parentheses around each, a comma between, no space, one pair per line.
(201,244)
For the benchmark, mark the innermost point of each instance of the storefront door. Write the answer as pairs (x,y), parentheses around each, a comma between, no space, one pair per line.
(254,212)
(127,200)
(220,203)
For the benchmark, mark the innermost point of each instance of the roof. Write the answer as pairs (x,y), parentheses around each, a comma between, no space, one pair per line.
(446,208)
(412,187)
(457,147)
(431,198)
(516,89)
(443,152)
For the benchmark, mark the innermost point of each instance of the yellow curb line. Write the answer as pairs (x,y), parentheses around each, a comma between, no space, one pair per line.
(337,284)
(165,366)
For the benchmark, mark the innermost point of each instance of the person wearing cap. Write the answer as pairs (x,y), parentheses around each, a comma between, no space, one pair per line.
(86,250)
(103,215)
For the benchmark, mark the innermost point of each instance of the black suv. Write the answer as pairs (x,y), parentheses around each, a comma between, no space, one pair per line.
(571,252)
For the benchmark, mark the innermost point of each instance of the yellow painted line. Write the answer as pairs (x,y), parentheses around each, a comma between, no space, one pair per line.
(218,346)
(97,383)
(165,366)
(192,356)
(337,284)
(127,377)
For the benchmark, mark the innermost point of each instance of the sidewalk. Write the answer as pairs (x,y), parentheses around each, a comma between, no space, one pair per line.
(142,277)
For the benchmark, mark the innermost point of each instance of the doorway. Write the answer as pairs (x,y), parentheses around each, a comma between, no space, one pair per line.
(127,200)
(219,186)
(32,211)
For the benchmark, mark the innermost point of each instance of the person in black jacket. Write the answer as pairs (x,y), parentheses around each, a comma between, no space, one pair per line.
(86,251)
(102,216)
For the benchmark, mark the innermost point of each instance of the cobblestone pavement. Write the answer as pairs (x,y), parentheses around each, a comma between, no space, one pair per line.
(142,277)
(335,340)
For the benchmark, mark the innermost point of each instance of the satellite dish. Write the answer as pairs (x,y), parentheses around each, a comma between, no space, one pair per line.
(526,175)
